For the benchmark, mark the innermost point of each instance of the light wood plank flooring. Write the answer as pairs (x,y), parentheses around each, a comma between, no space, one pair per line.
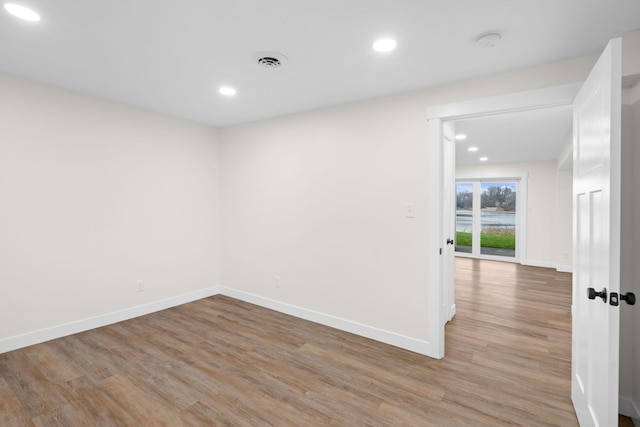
(221,362)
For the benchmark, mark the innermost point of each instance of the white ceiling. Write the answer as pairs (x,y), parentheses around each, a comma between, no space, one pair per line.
(172,55)
(515,137)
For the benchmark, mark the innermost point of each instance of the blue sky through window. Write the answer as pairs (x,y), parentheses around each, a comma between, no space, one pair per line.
(462,187)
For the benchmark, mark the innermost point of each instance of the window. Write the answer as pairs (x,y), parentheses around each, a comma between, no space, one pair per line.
(487,218)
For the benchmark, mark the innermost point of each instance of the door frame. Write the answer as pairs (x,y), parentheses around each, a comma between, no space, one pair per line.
(437,116)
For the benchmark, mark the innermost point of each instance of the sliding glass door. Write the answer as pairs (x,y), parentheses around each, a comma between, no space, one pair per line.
(486,218)
(464,217)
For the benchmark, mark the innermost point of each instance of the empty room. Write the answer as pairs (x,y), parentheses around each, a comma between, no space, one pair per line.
(244,214)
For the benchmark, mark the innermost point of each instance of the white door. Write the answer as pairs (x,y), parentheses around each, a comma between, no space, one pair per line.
(596,193)
(449,224)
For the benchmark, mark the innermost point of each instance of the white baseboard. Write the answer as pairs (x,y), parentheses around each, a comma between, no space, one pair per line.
(534,263)
(407,343)
(487,257)
(628,408)
(564,268)
(529,262)
(42,335)
(452,312)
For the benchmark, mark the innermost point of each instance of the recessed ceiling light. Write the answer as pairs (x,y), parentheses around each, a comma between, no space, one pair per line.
(227,91)
(460,137)
(384,45)
(484,159)
(22,12)
(472,149)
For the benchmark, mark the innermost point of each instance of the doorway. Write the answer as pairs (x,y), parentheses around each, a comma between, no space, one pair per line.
(448,113)
(442,117)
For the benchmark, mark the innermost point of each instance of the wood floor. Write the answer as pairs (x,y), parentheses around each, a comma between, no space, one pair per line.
(221,362)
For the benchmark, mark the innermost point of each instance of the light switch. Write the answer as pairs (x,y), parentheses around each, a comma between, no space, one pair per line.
(410,210)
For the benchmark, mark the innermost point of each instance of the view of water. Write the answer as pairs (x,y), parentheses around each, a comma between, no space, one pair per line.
(464,220)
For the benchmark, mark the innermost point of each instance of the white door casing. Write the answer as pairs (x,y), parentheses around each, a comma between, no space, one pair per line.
(477,219)
(596,198)
(439,284)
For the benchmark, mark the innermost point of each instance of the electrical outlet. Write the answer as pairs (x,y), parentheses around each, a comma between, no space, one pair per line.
(140,285)
(276,281)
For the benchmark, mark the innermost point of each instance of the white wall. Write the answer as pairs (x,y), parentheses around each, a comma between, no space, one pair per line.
(544,214)
(564,207)
(318,199)
(93,196)
(564,221)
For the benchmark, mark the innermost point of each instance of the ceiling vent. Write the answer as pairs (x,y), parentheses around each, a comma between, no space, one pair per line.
(270,60)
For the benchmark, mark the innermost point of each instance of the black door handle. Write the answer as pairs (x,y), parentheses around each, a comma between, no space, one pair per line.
(629,297)
(450,241)
(592,294)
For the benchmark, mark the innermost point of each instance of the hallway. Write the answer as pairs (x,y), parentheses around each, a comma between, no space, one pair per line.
(510,342)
